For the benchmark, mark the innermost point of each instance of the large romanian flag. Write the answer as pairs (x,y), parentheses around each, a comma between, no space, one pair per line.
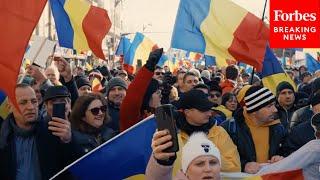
(139,51)
(222,29)
(123,156)
(80,26)
(272,72)
(18,18)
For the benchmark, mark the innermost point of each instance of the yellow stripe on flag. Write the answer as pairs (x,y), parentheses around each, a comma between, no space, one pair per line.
(77,10)
(219,26)
(272,81)
(143,51)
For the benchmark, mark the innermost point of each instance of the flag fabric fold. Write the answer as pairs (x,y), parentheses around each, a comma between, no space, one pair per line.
(272,72)
(312,64)
(80,26)
(123,156)
(206,27)
(123,47)
(140,49)
(18,19)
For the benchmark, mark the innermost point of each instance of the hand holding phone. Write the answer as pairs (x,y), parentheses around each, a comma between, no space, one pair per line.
(165,121)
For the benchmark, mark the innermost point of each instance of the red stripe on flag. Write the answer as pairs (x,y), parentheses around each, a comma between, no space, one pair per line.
(250,41)
(18,19)
(96,25)
(292,175)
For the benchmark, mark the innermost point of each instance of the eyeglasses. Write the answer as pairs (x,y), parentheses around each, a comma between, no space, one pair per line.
(159,73)
(215,95)
(95,111)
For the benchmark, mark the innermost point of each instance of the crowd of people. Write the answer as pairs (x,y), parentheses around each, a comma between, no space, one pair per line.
(227,120)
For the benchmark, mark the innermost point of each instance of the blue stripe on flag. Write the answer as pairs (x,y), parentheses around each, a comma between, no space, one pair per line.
(63,25)
(123,156)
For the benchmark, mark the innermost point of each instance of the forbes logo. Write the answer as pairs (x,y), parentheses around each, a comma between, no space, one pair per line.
(279,15)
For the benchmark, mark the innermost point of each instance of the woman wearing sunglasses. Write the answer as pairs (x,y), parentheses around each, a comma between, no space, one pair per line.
(88,119)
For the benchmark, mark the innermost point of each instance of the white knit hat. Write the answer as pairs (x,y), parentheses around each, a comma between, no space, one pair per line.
(197,145)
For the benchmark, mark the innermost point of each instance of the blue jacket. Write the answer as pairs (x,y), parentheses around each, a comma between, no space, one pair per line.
(53,155)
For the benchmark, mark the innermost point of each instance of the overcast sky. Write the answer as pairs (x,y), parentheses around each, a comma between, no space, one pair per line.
(158,16)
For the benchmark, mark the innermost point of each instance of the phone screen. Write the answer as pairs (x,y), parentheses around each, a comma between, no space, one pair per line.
(58,110)
(165,120)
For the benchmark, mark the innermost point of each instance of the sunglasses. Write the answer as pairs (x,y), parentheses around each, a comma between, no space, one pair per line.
(215,95)
(95,111)
(159,73)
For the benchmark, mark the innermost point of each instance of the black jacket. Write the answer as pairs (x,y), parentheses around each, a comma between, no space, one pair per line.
(241,136)
(285,115)
(87,142)
(114,112)
(298,136)
(301,115)
(53,155)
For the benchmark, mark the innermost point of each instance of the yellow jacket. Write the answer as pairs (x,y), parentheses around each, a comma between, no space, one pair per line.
(229,154)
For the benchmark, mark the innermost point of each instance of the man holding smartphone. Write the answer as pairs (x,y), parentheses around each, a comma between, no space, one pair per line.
(29,147)
(57,124)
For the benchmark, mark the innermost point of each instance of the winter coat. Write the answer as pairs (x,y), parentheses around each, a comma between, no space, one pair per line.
(227,86)
(114,111)
(301,115)
(242,138)
(53,155)
(229,155)
(130,109)
(285,115)
(88,142)
(298,136)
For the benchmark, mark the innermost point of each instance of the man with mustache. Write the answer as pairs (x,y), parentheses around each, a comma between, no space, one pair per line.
(255,130)
(31,147)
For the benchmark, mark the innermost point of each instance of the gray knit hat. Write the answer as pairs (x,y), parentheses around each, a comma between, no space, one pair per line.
(116,81)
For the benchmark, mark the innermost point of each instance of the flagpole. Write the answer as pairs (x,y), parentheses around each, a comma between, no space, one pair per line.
(264,11)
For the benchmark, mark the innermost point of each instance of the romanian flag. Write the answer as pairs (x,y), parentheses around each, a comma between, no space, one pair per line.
(96,85)
(312,63)
(193,56)
(164,58)
(272,72)
(4,109)
(283,175)
(80,25)
(209,28)
(139,51)
(125,155)
(18,18)
(210,60)
(124,46)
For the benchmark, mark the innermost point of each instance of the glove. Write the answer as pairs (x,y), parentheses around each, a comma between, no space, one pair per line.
(153,59)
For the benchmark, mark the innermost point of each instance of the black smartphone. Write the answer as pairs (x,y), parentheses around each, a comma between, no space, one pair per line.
(165,120)
(58,110)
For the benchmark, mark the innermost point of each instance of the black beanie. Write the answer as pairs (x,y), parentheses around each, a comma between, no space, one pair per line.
(315,99)
(82,81)
(153,87)
(284,85)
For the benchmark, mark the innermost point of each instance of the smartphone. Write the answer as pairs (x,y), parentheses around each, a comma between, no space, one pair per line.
(165,120)
(58,110)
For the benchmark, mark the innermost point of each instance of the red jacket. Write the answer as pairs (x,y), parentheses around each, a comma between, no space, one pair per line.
(227,86)
(130,107)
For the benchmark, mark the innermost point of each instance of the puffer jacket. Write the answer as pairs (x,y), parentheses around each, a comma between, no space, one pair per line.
(242,138)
